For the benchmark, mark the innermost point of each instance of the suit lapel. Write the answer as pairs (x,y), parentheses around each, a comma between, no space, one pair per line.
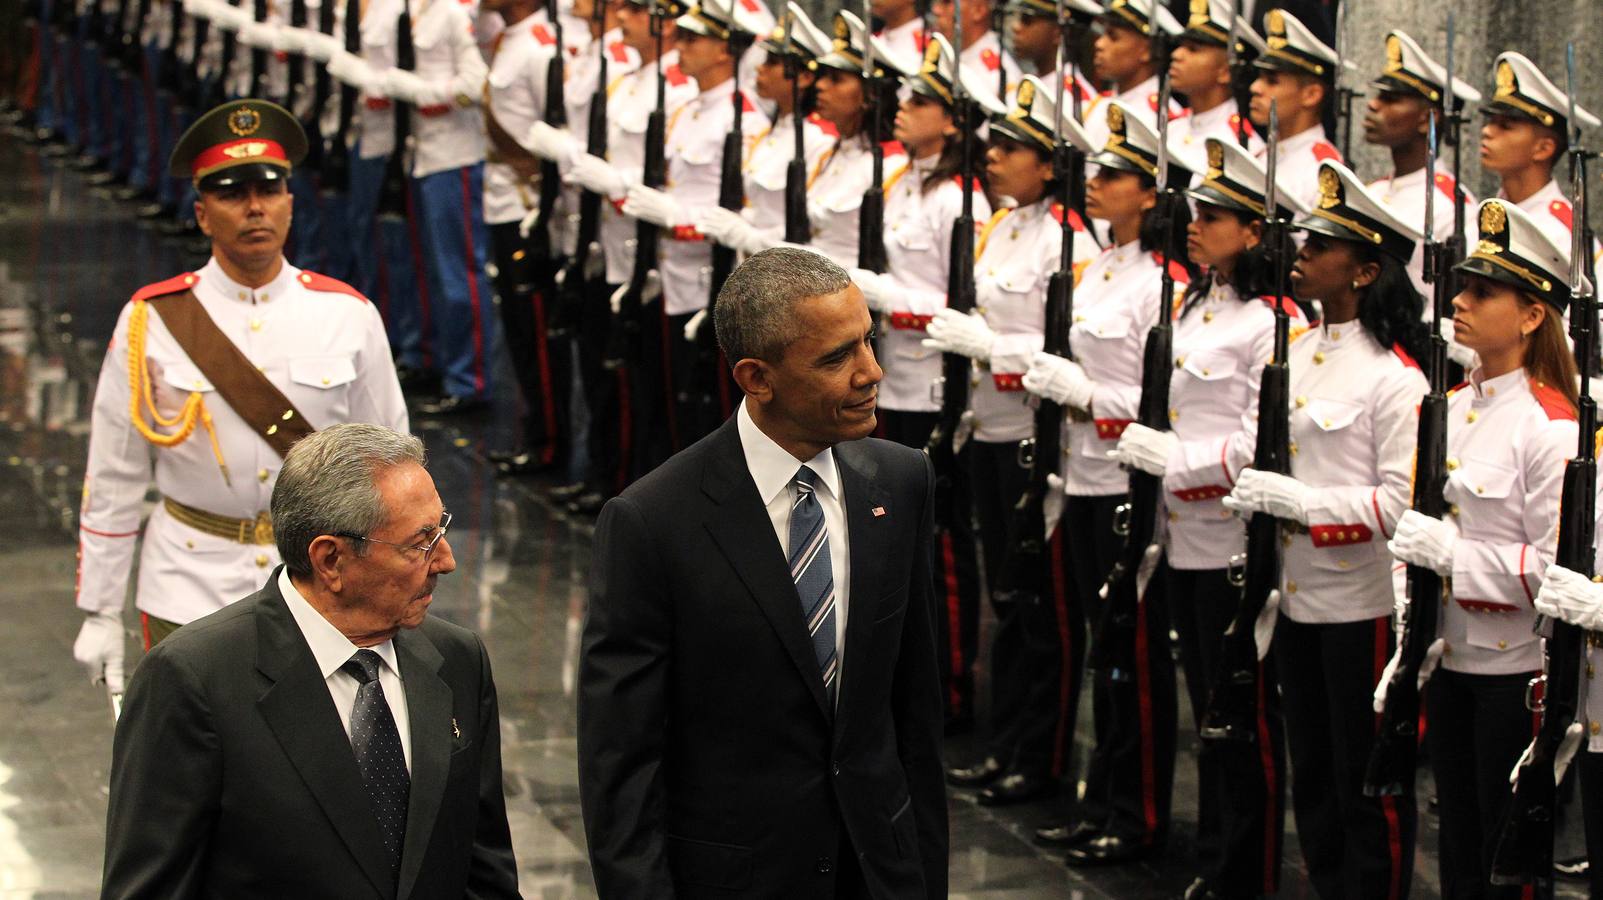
(868,539)
(740,525)
(300,712)
(428,711)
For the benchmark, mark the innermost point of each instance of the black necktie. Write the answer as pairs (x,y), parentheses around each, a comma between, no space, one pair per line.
(377,744)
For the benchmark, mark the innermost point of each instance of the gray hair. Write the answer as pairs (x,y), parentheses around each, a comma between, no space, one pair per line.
(329,486)
(754,317)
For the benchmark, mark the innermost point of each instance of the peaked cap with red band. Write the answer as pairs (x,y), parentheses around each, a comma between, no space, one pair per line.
(238,142)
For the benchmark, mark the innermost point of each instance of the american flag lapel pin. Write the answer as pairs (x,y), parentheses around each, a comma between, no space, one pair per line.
(878,511)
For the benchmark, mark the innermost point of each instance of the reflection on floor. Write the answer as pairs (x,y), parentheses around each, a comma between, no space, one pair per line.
(68,260)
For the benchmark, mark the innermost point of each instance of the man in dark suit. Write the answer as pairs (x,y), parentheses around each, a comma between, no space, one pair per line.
(321,738)
(759,700)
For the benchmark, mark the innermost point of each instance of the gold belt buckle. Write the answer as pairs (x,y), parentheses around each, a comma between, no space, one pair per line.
(262,529)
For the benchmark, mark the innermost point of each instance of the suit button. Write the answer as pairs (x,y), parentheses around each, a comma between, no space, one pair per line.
(835,768)
(824,865)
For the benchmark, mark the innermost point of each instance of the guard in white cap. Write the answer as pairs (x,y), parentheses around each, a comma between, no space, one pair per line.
(1408,90)
(1037,38)
(1510,430)
(1526,134)
(1123,58)
(1199,68)
(1224,333)
(904,26)
(982,47)
(1297,73)
(1355,389)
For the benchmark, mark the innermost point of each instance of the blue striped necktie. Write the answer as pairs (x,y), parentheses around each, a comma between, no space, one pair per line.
(815,579)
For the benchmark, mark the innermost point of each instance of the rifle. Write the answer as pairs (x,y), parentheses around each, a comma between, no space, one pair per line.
(798,228)
(216,92)
(296,77)
(540,248)
(1524,853)
(1232,714)
(393,189)
(336,171)
(1066,52)
(1453,250)
(1241,77)
(871,216)
(169,69)
(1344,94)
(132,50)
(732,196)
(258,55)
(1394,755)
(999,26)
(587,262)
(1113,646)
(623,336)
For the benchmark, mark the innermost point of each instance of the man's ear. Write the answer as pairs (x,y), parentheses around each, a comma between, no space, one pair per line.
(329,555)
(1313,93)
(755,379)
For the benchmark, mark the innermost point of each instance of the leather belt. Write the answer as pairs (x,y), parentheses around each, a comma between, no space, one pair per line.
(245,531)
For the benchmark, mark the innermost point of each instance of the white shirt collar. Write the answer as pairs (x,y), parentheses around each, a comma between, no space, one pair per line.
(1201,121)
(212,276)
(772,467)
(1509,384)
(330,648)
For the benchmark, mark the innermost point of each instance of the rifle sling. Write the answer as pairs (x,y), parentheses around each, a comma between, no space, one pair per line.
(246,390)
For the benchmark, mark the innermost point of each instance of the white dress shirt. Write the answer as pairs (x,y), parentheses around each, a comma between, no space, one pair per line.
(772,469)
(331,649)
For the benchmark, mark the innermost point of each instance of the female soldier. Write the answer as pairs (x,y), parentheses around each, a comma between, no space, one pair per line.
(1116,303)
(1223,335)
(1509,432)
(1353,429)
(1017,252)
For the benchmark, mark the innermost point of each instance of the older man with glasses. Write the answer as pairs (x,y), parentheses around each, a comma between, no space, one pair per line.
(322,737)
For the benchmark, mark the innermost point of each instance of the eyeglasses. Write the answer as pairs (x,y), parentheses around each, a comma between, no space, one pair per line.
(426,549)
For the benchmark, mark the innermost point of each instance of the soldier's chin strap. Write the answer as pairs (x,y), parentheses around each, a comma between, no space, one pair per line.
(140,394)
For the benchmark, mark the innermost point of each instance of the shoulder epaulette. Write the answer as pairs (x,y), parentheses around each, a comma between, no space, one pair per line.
(1561,211)
(893,148)
(172,285)
(1177,271)
(1402,354)
(1554,403)
(1075,221)
(1238,123)
(328,285)
(1444,183)
(542,34)
(824,125)
(991,59)
(1325,150)
(745,103)
(676,76)
(1457,387)
(978,188)
(1285,303)
(619,50)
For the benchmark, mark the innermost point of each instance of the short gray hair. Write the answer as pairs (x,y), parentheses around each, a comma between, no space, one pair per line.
(329,486)
(755,316)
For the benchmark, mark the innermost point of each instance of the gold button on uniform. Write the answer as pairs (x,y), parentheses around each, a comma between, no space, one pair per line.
(1319,357)
(261,475)
(1502,645)
(1596,727)
(1301,402)
(1452,464)
(1207,317)
(261,560)
(1174,415)
(1473,415)
(1291,587)
(255,324)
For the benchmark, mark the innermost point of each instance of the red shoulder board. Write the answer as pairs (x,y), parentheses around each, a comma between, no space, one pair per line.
(893,148)
(1457,387)
(173,285)
(1562,212)
(676,77)
(1105,94)
(1074,86)
(824,125)
(1075,221)
(1285,303)
(1554,403)
(1152,101)
(921,39)
(1324,150)
(328,285)
(751,5)
(1444,183)
(745,103)
(620,51)
(543,34)
(1238,124)
(1176,271)
(978,188)
(991,60)
(1403,355)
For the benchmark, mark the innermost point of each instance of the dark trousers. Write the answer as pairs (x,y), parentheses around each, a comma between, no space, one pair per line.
(1355,847)
(1240,794)
(957,569)
(652,395)
(1592,813)
(1479,726)
(609,394)
(541,363)
(704,390)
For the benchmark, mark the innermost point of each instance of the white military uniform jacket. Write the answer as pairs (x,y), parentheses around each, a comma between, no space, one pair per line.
(1220,347)
(906,40)
(631,98)
(1404,196)
(1116,302)
(1507,442)
(695,152)
(1017,253)
(1298,165)
(1354,423)
(767,168)
(1189,133)
(986,56)
(325,348)
(835,189)
(1141,99)
(447,128)
(918,248)
(583,71)
(515,95)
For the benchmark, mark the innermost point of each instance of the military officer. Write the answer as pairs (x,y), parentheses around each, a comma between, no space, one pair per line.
(901,27)
(1038,39)
(208,377)
(982,47)
(1297,74)
(1124,59)
(1199,68)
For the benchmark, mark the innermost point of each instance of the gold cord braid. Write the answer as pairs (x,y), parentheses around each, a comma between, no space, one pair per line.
(140,392)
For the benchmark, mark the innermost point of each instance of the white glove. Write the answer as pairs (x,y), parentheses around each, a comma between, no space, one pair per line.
(649,291)
(399,84)
(654,206)
(1424,541)
(963,333)
(1063,381)
(319,46)
(1567,746)
(555,144)
(1458,352)
(1433,658)
(351,69)
(1145,449)
(1052,504)
(1278,495)
(99,648)
(596,175)
(229,18)
(1263,630)
(693,326)
(729,228)
(527,223)
(877,289)
(1571,597)
(290,40)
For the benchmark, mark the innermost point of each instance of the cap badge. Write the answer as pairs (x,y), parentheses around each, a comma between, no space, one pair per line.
(1216,160)
(1329,189)
(840,29)
(1115,123)
(932,59)
(245,150)
(1394,54)
(1277,30)
(1493,218)
(1199,14)
(244,121)
(1026,96)
(1505,80)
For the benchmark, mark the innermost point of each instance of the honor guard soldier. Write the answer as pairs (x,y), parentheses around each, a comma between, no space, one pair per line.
(1510,430)
(1124,58)
(1199,68)
(1223,335)
(1525,135)
(1118,299)
(1037,38)
(1297,74)
(1355,388)
(982,48)
(1407,91)
(1016,254)
(210,377)
(901,27)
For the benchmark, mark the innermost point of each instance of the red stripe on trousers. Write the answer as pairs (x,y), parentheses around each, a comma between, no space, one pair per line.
(473,282)
(1060,602)
(667,378)
(1271,838)
(1143,674)
(543,360)
(144,628)
(420,275)
(1388,805)
(625,430)
(954,615)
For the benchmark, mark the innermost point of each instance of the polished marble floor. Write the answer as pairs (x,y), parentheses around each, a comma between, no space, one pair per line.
(68,260)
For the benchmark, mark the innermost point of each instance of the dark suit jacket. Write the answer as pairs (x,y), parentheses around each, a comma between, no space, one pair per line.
(710,763)
(232,777)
